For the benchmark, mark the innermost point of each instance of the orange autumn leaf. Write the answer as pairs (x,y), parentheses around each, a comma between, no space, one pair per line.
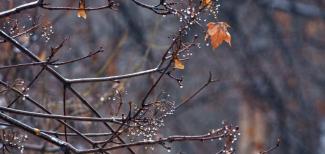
(206,3)
(82,12)
(218,32)
(42,55)
(178,64)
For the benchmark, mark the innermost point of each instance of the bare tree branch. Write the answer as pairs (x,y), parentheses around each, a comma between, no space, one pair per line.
(35,131)
(20,8)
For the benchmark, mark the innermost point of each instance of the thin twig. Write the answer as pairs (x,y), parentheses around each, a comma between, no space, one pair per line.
(272,148)
(45,110)
(177,138)
(23,65)
(210,80)
(23,32)
(20,8)
(78,59)
(64,117)
(110,4)
(36,132)
(112,78)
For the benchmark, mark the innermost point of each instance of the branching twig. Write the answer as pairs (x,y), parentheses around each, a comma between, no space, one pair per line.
(110,4)
(39,3)
(210,80)
(63,145)
(20,8)
(23,32)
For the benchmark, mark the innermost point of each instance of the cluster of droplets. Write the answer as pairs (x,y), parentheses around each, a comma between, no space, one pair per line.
(24,27)
(231,135)
(12,139)
(19,84)
(186,54)
(47,32)
(11,25)
(214,10)
(187,16)
(152,118)
(198,14)
(146,129)
(17,28)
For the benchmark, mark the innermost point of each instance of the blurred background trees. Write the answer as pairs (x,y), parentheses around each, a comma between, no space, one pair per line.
(270,81)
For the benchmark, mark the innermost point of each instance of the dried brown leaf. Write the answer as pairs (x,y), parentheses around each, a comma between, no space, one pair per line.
(206,3)
(42,55)
(218,32)
(82,12)
(178,64)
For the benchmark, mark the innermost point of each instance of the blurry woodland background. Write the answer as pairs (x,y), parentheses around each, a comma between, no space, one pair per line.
(271,80)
